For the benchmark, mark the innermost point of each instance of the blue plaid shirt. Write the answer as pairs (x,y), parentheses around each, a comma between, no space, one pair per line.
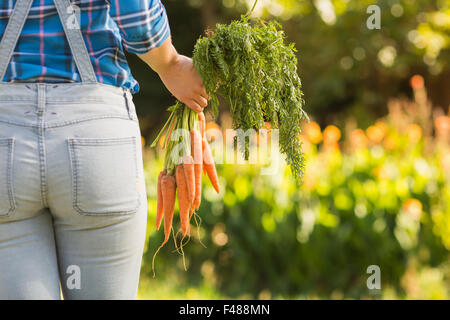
(108,26)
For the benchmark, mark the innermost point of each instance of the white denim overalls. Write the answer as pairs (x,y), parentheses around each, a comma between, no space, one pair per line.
(73,203)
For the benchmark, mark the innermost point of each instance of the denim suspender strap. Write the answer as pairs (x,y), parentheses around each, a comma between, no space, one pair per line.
(12,33)
(67,15)
(72,30)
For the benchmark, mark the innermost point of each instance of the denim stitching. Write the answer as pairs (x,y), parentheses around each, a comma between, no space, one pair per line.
(103,141)
(75,163)
(113,89)
(59,100)
(72,122)
(41,143)
(64,123)
(84,100)
(9,143)
(4,98)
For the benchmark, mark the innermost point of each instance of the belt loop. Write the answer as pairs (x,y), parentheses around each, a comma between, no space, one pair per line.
(41,97)
(127,103)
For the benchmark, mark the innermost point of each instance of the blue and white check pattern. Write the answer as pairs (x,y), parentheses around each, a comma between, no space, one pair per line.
(109,27)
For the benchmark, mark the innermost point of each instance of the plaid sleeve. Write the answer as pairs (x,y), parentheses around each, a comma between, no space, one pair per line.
(143,24)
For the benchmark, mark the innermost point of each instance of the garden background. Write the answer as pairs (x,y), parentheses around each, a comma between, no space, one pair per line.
(376,188)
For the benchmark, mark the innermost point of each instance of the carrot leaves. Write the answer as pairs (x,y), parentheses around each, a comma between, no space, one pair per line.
(249,64)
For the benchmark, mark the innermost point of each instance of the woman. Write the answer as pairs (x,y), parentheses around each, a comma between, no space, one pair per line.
(73,203)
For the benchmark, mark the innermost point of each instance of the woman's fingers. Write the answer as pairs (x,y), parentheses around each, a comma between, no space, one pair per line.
(204,94)
(194,106)
(201,101)
(197,103)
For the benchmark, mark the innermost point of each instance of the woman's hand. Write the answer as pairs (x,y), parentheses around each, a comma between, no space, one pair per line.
(185,84)
(178,75)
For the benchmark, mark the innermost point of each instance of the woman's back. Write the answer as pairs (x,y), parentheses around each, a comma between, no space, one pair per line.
(73,200)
(108,27)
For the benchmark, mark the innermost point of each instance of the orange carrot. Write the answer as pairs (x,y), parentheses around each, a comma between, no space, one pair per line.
(203,150)
(197,154)
(183,199)
(198,187)
(196,147)
(170,131)
(159,201)
(204,142)
(168,190)
(188,166)
(202,123)
(208,163)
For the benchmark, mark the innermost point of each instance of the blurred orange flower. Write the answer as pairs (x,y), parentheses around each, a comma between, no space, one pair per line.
(306,144)
(390,143)
(416,82)
(413,207)
(414,132)
(383,127)
(331,147)
(313,132)
(143,141)
(212,125)
(331,134)
(442,124)
(358,139)
(375,133)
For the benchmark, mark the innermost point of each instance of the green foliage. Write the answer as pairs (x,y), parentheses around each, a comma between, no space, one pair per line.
(250,65)
(343,65)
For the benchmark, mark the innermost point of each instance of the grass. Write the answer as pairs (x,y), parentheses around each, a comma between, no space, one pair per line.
(169,289)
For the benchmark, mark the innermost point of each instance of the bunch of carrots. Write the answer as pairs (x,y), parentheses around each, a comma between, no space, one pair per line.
(187,155)
(230,62)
